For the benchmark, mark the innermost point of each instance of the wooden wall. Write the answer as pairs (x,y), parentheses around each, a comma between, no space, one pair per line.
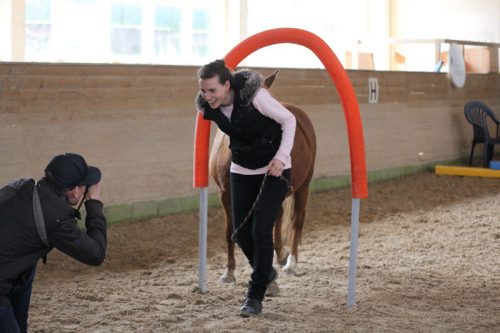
(137,122)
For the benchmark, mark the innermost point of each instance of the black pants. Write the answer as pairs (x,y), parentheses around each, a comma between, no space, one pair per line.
(256,237)
(14,306)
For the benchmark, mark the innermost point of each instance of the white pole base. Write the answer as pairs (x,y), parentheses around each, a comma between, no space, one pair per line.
(202,241)
(351,292)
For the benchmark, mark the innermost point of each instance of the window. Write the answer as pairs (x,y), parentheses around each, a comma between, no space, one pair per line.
(200,31)
(167,31)
(38,27)
(126,29)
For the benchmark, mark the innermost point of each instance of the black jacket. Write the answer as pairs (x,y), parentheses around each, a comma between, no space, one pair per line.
(20,243)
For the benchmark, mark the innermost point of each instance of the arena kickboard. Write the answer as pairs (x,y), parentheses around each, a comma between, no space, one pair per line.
(466,171)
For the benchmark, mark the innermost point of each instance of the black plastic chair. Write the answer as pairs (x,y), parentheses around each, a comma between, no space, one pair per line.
(479,115)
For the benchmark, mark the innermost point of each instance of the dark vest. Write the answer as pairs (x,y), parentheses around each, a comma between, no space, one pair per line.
(254,138)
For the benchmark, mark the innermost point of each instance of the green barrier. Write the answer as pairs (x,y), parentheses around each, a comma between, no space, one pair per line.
(150,209)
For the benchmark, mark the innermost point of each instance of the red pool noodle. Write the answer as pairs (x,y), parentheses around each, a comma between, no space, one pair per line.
(340,79)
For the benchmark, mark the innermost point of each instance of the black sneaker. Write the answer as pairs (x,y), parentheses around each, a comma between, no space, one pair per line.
(251,307)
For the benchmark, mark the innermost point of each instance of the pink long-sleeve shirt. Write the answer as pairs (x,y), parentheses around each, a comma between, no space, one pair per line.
(269,107)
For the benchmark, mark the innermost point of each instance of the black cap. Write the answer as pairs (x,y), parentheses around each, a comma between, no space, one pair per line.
(70,170)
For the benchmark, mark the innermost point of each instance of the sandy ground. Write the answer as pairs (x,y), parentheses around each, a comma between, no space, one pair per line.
(429,261)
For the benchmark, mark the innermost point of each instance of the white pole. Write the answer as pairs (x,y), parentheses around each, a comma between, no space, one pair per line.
(351,293)
(202,241)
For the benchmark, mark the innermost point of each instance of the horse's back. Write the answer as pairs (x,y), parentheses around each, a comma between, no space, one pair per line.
(304,148)
(303,153)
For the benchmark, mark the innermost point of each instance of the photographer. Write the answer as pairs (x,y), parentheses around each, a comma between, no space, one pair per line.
(35,217)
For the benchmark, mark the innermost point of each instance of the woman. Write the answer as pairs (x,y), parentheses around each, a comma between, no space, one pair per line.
(261,133)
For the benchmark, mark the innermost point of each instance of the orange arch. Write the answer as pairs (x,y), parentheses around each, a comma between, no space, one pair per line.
(340,80)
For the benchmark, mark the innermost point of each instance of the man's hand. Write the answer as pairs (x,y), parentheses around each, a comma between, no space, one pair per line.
(94,192)
(276,167)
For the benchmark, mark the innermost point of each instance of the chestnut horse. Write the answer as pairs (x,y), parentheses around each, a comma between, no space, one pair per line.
(294,207)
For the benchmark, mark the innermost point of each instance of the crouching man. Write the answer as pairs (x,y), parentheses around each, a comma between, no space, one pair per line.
(35,217)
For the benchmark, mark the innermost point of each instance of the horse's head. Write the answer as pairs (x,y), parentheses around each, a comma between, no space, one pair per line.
(268,81)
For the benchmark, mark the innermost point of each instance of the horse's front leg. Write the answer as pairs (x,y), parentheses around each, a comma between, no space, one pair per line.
(228,276)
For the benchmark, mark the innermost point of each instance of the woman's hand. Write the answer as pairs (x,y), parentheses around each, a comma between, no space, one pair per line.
(275,167)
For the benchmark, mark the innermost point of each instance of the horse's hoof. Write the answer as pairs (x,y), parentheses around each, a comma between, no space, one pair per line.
(228,278)
(272,289)
(282,259)
(291,266)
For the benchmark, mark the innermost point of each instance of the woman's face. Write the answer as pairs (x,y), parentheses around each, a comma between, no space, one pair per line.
(214,93)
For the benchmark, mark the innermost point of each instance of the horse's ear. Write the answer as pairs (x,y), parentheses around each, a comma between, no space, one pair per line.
(268,81)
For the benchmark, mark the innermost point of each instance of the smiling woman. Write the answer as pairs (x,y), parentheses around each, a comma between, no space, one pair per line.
(215,93)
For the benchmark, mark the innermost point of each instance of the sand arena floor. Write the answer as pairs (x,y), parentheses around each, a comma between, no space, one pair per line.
(428,261)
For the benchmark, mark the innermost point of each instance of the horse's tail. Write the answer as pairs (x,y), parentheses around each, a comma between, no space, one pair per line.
(287,227)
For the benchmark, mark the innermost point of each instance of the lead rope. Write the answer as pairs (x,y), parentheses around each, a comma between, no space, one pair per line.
(252,210)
